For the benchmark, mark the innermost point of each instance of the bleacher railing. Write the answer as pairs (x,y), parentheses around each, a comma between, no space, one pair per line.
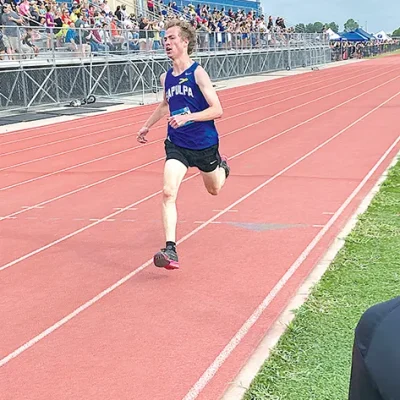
(28,43)
(50,68)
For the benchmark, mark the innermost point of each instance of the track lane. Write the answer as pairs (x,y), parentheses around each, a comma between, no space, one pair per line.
(95,120)
(145,219)
(115,334)
(107,128)
(71,178)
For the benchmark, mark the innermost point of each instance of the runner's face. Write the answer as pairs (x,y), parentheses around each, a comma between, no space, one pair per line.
(175,46)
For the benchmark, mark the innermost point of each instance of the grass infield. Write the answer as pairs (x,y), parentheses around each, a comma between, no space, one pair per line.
(312,360)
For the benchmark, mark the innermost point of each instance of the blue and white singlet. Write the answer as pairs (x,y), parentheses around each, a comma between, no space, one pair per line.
(184,96)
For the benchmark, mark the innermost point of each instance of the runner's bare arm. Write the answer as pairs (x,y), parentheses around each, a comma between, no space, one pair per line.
(158,113)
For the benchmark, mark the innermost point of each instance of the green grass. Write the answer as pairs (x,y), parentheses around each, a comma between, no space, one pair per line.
(313,358)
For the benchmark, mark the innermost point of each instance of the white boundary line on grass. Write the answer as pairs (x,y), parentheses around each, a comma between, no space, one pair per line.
(242,332)
(243,380)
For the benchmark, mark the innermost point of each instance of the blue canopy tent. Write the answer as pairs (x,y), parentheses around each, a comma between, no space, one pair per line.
(338,39)
(353,37)
(367,35)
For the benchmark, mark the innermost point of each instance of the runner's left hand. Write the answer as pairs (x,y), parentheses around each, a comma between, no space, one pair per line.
(178,120)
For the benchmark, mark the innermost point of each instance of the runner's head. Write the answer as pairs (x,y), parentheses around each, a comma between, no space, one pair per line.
(180,38)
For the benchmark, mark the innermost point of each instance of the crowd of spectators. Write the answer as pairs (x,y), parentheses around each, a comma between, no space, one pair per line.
(344,50)
(91,27)
(31,27)
(232,29)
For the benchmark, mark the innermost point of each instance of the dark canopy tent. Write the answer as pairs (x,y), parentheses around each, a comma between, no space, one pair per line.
(367,35)
(353,37)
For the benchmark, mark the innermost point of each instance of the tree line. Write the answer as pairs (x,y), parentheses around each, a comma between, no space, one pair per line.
(396,32)
(318,27)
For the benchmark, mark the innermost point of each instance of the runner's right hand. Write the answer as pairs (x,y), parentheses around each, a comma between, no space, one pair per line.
(141,137)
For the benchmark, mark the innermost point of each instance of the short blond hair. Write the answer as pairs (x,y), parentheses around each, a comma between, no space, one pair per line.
(187,32)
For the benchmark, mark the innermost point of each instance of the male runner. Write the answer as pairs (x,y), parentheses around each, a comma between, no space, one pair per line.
(192,139)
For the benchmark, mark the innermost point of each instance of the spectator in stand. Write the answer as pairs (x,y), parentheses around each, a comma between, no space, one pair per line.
(24,10)
(156,36)
(118,13)
(58,25)
(65,17)
(90,14)
(217,28)
(96,42)
(71,37)
(203,35)
(34,13)
(133,40)
(124,12)
(106,37)
(116,35)
(28,48)
(11,39)
(106,7)
(280,22)
(270,25)
(2,45)
(42,10)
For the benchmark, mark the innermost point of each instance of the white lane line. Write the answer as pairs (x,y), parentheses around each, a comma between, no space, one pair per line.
(237,338)
(258,122)
(227,134)
(210,372)
(334,75)
(161,126)
(203,222)
(61,153)
(89,186)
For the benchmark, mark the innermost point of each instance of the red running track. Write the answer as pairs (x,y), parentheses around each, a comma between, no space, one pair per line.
(84,314)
